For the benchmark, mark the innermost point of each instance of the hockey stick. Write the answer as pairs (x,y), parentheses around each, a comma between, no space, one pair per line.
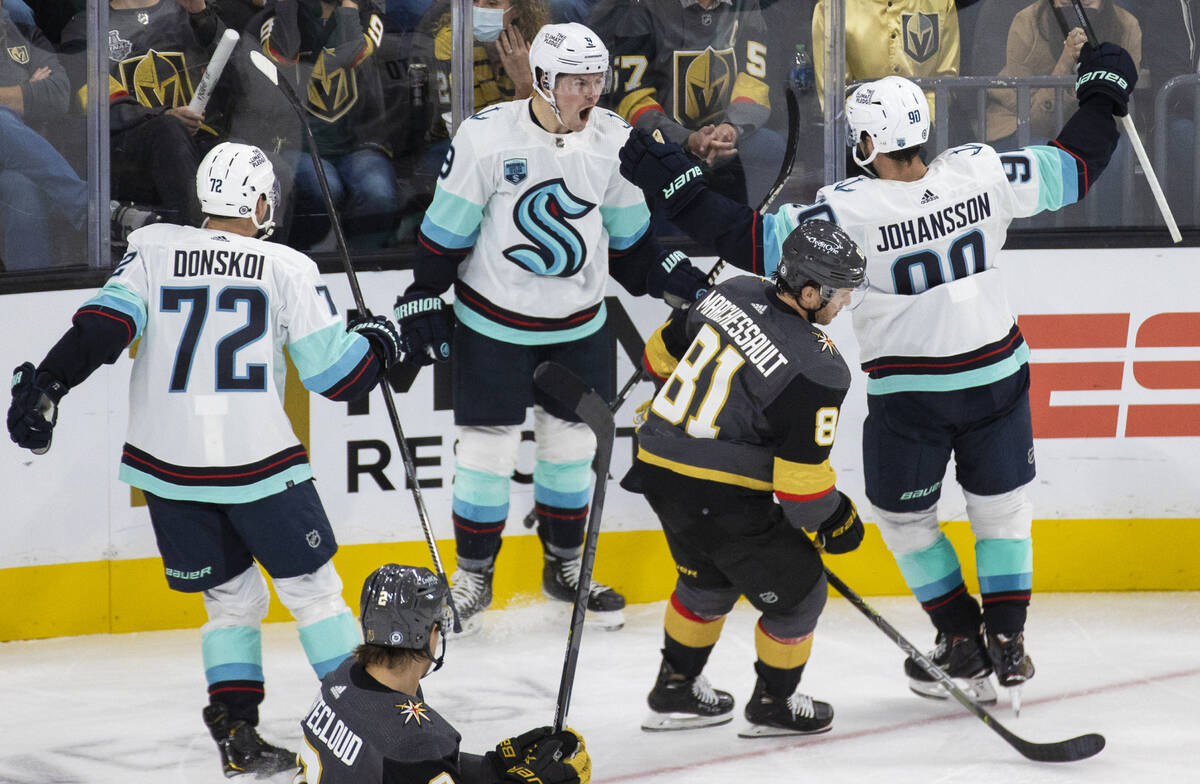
(530,519)
(268,69)
(567,388)
(785,171)
(1069,750)
(1126,123)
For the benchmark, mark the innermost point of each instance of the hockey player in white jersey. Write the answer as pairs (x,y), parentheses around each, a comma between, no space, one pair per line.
(529,219)
(946,363)
(226,481)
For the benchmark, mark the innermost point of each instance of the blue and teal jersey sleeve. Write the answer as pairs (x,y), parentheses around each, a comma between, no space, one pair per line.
(778,225)
(330,361)
(1041,178)
(103,326)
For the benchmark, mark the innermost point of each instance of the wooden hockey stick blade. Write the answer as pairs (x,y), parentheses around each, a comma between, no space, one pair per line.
(264,64)
(1069,750)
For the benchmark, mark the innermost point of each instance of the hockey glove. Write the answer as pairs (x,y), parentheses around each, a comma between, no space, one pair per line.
(1106,70)
(383,337)
(426,325)
(675,280)
(843,531)
(34,409)
(542,756)
(661,169)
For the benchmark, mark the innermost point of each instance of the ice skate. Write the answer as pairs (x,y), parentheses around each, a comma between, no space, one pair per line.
(1013,666)
(799,714)
(963,658)
(242,749)
(560,581)
(679,703)
(471,592)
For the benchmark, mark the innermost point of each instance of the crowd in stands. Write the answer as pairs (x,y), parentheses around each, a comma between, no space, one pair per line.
(376,76)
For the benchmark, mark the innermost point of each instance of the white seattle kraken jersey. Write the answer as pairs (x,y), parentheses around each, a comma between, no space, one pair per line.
(213,312)
(539,212)
(932,246)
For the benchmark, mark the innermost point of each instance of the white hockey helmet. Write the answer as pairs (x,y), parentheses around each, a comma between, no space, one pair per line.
(230,180)
(569,48)
(892,110)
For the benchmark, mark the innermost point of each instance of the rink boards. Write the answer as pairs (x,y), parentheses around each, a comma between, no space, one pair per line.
(1116,403)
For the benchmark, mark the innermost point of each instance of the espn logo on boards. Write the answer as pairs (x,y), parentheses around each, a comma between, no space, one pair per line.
(1155,368)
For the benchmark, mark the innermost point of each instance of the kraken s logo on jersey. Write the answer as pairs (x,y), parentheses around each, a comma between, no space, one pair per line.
(921,35)
(543,214)
(157,79)
(703,84)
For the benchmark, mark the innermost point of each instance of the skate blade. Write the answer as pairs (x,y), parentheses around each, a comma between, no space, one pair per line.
(769,731)
(1014,698)
(470,627)
(609,621)
(978,689)
(670,722)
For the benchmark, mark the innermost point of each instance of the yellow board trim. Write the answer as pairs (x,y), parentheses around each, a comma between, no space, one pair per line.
(98,597)
(711,474)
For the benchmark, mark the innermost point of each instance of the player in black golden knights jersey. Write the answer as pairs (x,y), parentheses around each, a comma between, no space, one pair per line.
(747,414)
(157,50)
(370,723)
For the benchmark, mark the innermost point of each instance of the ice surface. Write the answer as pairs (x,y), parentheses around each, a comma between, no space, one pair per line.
(125,709)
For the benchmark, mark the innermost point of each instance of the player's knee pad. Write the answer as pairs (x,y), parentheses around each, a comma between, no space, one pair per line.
(312,597)
(240,601)
(706,603)
(908,532)
(798,621)
(489,450)
(1004,516)
(560,441)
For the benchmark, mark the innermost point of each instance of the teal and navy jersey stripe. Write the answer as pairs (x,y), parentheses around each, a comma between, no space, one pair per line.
(357,382)
(213,476)
(471,299)
(983,365)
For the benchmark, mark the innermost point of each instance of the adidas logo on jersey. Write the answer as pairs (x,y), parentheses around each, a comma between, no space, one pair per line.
(759,307)
(336,691)
(928,197)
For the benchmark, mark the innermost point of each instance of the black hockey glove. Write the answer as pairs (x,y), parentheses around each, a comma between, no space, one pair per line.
(661,169)
(843,531)
(542,756)
(383,337)
(34,409)
(426,325)
(1106,70)
(675,280)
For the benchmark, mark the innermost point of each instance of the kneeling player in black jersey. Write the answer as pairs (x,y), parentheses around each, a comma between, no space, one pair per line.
(370,723)
(746,415)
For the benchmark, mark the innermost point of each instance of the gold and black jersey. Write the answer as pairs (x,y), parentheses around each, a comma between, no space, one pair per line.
(751,396)
(680,66)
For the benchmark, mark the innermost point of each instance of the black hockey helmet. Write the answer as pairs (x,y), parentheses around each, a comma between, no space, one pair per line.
(399,606)
(819,252)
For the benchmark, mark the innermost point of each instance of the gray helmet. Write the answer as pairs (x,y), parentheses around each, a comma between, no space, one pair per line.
(399,606)
(820,252)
